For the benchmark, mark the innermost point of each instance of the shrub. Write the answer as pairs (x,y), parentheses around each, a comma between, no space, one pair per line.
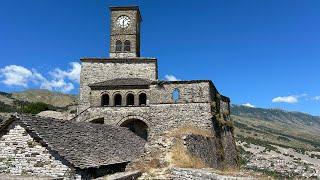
(35,108)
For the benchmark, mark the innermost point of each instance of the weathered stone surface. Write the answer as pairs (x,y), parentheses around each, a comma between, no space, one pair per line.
(208,149)
(124,175)
(20,154)
(215,152)
(94,71)
(56,115)
(198,174)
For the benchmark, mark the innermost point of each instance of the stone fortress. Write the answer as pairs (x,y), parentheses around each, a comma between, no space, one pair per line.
(124,89)
(127,120)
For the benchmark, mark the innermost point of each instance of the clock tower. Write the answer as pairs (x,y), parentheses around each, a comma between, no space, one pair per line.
(125,32)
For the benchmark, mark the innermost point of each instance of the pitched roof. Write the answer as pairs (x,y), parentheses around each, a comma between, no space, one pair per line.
(122,82)
(85,145)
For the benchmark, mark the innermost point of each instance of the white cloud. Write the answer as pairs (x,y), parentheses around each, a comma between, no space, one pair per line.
(171,78)
(248,105)
(16,75)
(72,74)
(317,98)
(286,99)
(60,80)
(58,85)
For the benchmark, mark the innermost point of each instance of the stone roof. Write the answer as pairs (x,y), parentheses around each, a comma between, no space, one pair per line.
(83,144)
(122,82)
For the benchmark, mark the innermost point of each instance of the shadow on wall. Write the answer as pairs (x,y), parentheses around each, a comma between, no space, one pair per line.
(137,126)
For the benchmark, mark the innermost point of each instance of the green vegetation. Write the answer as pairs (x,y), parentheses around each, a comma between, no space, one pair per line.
(282,138)
(7,108)
(258,142)
(24,102)
(244,155)
(35,108)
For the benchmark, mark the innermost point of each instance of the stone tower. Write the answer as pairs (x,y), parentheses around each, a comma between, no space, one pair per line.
(124,90)
(125,32)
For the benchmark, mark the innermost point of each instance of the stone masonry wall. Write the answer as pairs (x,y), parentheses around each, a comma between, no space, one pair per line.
(189,93)
(129,33)
(159,118)
(217,152)
(21,155)
(158,94)
(95,96)
(93,72)
(207,149)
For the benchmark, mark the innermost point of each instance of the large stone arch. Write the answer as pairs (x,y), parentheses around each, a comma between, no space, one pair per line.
(136,124)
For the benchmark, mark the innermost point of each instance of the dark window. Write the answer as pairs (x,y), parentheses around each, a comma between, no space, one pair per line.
(176,95)
(142,99)
(130,99)
(105,100)
(127,45)
(98,121)
(137,126)
(117,100)
(118,46)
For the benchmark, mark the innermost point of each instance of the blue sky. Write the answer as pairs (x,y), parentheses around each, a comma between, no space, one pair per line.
(265,53)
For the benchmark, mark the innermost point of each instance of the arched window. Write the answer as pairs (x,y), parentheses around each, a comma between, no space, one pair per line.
(127,45)
(142,99)
(105,100)
(118,46)
(137,126)
(117,100)
(175,95)
(130,99)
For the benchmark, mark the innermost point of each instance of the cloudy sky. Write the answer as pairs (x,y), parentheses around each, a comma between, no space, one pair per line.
(259,53)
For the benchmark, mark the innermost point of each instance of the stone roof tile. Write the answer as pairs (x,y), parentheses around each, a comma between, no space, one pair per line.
(122,82)
(85,145)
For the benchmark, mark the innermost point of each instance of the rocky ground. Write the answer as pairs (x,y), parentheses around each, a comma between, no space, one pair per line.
(280,162)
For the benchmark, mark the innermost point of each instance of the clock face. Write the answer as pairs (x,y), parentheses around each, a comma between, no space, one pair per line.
(123,21)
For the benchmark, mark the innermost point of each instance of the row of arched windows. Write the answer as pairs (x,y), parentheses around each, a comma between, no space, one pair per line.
(105,100)
(126,46)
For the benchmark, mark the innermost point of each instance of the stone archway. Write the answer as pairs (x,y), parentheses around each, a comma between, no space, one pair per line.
(137,126)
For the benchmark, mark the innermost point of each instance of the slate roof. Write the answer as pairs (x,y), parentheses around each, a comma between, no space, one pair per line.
(122,82)
(83,144)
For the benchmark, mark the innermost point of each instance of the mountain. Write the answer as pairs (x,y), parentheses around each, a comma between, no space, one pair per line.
(39,95)
(18,101)
(279,127)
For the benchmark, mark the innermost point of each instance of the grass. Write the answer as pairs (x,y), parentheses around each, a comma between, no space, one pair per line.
(181,158)
(190,129)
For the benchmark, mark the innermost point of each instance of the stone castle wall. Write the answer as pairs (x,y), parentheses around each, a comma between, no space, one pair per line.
(217,151)
(20,154)
(159,94)
(159,117)
(95,71)
(189,93)
(95,96)
(195,106)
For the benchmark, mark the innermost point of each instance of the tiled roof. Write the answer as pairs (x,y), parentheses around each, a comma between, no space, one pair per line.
(122,82)
(83,144)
